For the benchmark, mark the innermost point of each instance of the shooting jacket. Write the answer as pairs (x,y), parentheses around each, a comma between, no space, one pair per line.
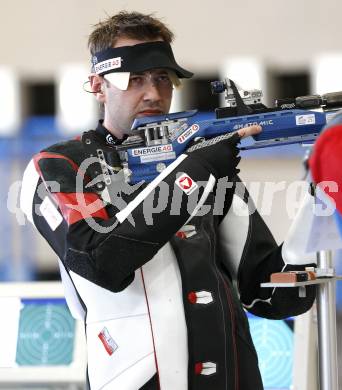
(163,300)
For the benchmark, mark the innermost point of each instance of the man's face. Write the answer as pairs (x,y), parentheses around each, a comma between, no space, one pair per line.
(148,93)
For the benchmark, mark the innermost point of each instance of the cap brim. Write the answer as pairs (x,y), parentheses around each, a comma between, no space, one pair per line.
(120,80)
(137,58)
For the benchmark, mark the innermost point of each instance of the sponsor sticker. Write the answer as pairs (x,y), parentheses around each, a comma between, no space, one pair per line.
(186,184)
(188,133)
(113,63)
(178,129)
(151,150)
(158,157)
(107,341)
(49,211)
(307,119)
(329,116)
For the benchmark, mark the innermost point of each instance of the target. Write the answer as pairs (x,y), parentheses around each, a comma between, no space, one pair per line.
(46,333)
(273,340)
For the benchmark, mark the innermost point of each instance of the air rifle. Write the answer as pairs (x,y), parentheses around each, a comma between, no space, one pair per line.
(158,140)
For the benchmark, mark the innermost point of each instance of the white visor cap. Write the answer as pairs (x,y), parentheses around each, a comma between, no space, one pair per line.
(120,80)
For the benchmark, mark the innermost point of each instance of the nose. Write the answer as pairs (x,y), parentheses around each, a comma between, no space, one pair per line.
(151,91)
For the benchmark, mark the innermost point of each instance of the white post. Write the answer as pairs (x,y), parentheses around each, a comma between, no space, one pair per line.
(326,317)
(305,362)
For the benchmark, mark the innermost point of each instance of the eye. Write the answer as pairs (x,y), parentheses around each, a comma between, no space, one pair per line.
(163,79)
(136,81)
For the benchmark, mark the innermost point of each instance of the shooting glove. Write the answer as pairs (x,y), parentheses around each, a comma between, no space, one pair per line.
(219,155)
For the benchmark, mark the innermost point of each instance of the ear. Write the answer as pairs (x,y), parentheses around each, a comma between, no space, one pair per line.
(97,86)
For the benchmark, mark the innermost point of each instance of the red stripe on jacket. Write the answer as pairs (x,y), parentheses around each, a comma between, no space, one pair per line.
(73,206)
(77,206)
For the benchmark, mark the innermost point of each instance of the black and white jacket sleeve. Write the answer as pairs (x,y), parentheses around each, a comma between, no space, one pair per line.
(93,239)
(251,255)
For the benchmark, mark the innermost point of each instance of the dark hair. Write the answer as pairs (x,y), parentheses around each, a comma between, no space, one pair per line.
(127,24)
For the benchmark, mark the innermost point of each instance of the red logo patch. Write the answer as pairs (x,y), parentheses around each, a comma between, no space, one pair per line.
(107,341)
(186,184)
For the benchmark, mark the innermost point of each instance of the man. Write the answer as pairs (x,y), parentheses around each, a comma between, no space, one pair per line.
(325,164)
(158,299)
